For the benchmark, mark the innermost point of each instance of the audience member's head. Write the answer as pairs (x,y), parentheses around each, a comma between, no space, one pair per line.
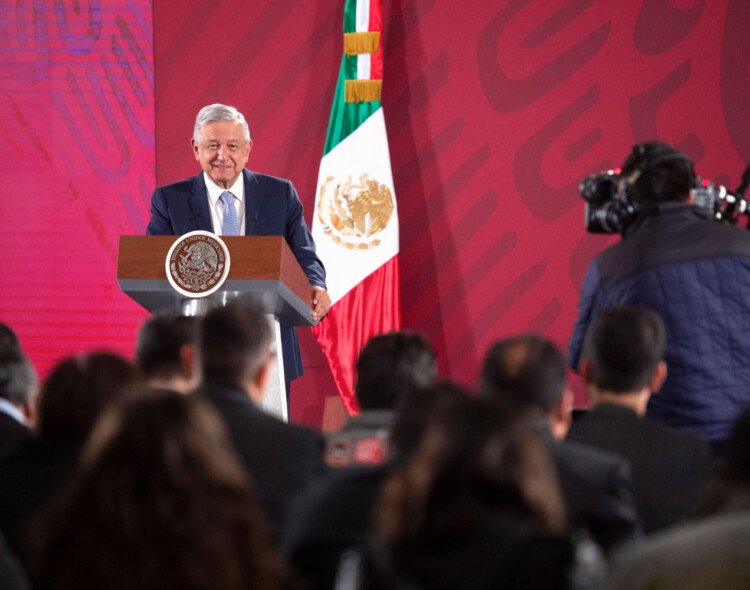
(479,474)
(160,502)
(164,352)
(413,413)
(529,372)
(623,353)
(235,349)
(389,366)
(79,389)
(18,382)
(8,340)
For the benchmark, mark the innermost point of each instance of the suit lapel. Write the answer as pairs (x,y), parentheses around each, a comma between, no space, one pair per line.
(200,216)
(252,202)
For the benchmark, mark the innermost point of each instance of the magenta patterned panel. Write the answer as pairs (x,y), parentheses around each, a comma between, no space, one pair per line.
(77,122)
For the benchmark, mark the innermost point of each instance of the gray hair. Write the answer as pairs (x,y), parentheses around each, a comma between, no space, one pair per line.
(17,378)
(219,112)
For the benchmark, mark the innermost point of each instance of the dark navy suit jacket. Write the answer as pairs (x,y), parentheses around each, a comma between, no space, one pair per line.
(272,208)
(282,459)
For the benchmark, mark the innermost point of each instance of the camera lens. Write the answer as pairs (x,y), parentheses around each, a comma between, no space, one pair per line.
(599,187)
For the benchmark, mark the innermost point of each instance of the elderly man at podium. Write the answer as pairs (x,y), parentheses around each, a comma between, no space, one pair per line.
(228,199)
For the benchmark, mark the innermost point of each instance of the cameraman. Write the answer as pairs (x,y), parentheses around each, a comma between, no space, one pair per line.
(696,274)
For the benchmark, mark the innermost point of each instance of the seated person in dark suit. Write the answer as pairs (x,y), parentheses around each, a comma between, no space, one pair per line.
(12,574)
(234,348)
(164,352)
(623,365)
(18,387)
(71,400)
(711,549)
(729,490)
(388,367)
(529,371)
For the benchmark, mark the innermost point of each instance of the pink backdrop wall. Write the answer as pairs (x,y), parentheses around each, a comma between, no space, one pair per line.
(495,110)
(77,153)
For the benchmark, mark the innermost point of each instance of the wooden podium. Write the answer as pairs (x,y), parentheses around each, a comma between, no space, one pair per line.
(263,272)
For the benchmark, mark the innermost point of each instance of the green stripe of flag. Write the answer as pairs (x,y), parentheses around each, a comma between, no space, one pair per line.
(345,116)
(349,65)
(350,16)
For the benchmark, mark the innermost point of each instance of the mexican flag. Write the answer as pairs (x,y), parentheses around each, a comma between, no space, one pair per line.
(355,222)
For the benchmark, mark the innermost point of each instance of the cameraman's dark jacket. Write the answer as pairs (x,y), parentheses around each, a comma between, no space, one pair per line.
(696,273)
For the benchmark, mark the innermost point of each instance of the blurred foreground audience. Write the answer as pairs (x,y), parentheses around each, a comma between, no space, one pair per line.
(529,372)
(705,554)
(12,573)
(623,365)
(160,502)
(71,400)
(476,505)
(18,390)
(164,352)
(729,491)
(336,513)
(236,357)
(388,367)
(435,488)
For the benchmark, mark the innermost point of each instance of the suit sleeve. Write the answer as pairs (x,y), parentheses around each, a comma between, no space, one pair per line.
(589,292)
(159,225)
(621,520)
(300,240)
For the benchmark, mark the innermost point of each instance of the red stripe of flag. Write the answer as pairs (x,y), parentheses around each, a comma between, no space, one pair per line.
(354,319)
(376,24)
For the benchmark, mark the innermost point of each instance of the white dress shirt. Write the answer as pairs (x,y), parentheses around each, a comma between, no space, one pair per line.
(8,408)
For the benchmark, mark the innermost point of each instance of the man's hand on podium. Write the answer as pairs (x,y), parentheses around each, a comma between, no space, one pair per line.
(321,303)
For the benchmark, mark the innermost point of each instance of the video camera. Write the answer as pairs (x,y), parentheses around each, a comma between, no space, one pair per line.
(610,210)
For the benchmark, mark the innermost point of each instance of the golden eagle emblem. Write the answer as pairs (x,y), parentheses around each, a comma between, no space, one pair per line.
(352,211)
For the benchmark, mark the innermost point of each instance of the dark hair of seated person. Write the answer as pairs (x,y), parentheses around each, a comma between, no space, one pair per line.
(390,366)
(18,381)
(9,342)
(160,502)
(79,389)
(623,346)
(468,507)
(234,343)
(160,342)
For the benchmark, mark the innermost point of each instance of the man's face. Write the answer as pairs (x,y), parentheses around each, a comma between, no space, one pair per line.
(222,151)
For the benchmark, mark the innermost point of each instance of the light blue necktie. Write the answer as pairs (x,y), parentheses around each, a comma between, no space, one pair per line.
(230,227)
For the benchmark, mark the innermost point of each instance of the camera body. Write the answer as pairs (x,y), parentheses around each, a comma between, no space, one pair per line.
(610,209)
